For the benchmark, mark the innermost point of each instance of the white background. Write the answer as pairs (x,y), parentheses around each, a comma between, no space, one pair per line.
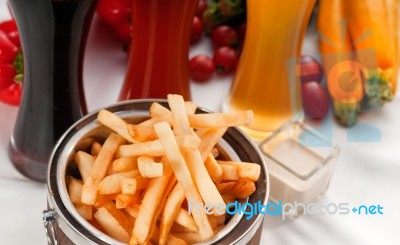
(366,173)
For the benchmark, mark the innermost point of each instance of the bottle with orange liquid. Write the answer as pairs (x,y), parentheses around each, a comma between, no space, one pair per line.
(274,35)
(158,59)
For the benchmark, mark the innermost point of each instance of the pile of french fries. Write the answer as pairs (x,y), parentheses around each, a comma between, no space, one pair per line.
(136,185)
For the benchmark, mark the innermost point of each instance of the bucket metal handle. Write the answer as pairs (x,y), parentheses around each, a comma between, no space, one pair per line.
(49,222)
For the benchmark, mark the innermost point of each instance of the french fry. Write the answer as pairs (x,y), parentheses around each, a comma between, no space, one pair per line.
(209,138)
(244,188)
(183,176)
(171,240)
(148,168)
(245,169)
(75,190)
(95,149)
(150,122)
(86,211)
(154,148)
(142,133)
(126,200)
(161,205)
(219,220)
(132,185)
(217,120)
(171,210)
(184,219)
(134,210)
(99,169)
(124,164)
(229,172)
(115,123)
(202,179)
(181,122)
(125,220)
(149,205)
(213,169)
(226,187)
(85,163)
(111,225)
(111,184)
(157,110)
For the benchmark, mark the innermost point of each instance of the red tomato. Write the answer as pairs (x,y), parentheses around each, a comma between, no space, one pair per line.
(7,73)
(201,68)
(197,30)
(10,28)
(8,50)
(224,36)
(315,99)
(114,11)
(201,7)
(12,94)
(124,31)
(225,59)
(310,69)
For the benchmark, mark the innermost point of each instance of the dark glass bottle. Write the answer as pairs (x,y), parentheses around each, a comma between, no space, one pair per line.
(53,35)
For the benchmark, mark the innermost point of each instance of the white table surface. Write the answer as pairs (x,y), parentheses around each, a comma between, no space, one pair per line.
(366,173)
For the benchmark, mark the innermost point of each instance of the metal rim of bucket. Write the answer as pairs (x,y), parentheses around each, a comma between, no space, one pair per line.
(239,230)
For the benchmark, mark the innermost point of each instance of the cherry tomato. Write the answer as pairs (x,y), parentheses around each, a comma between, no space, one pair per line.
(310,69)
(7,73)
(124,31)
(201,7)
(12,94)
(224,36)
(225,59)
(9,27)
(315,99)
(201,68)
(197,30)
(8,50)
(114,11)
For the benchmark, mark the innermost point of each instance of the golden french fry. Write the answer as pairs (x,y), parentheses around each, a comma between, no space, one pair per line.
(148,148)
(149,205)
(124,164)
(218,220)
(217,120)
(184,219)
(142,133)
(229,172)
(209,138)
(214,152)
(126,200)
(244,188)
(161,205)
(157,110)
(245,169)
(213,169)
(202,179)
(150,122)
(85,163)
(111,184)
(133,211)
(75,190)
(181,122)
(148,168)
(171,240)
(115,123)
(154,148)
(171,209)
(111,225)
(226,187)
(183,176)
(86,211)
(125,220)
(95,149)
(99,169)
(132,185)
